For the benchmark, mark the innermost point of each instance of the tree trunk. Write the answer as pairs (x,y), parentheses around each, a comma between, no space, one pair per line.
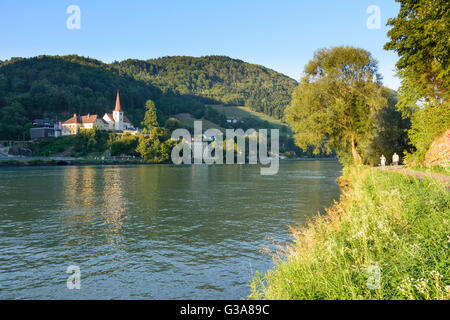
(356,157)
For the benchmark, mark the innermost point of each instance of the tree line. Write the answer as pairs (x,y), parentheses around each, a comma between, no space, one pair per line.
(229,81)
(56,87)
(341,104)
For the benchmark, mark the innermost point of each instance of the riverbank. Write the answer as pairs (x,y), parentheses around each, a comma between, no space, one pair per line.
(387,238)
(42,161)
(65,162)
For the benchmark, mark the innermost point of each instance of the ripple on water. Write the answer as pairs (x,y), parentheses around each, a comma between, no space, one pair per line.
(150,232)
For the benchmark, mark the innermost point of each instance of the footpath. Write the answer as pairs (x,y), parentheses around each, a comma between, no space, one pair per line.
(445,179)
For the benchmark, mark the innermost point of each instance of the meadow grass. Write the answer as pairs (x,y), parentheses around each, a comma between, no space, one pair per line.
(387,238)
(432,169)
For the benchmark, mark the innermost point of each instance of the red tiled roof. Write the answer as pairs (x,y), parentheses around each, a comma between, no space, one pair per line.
(74,119)
(83,119)
(91,119)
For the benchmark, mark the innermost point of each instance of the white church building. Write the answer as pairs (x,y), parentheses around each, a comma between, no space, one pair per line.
(115,122)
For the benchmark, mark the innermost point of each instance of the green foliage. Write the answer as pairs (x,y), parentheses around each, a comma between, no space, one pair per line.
(215,116)
(389,221)
(419,35)
(91,140)
(53,146)
(124,145)
(428,123)
(171,125)
(56,87)
(335,103)
(150,119)
(390,132)
(14,125)
(87,142)
(222,79)
(156,147)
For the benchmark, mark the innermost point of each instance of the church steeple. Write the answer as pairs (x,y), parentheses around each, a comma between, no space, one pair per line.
(118,102)
(118,114)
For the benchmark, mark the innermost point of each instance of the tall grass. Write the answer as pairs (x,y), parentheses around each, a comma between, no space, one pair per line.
(388,238)
(432,169)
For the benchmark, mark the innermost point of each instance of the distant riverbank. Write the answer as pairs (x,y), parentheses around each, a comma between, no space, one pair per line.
(60,161)
(387,238)
(30,162)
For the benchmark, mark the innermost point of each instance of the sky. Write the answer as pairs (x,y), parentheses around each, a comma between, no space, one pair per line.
(280,34)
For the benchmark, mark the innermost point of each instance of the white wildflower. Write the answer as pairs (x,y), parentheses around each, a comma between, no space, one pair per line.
(435,274)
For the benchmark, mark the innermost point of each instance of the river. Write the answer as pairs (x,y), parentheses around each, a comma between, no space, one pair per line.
(150,231)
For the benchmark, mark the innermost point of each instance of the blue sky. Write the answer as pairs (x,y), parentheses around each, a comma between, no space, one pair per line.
(279,34)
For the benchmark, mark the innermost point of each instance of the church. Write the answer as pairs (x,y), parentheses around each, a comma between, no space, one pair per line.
(114,122)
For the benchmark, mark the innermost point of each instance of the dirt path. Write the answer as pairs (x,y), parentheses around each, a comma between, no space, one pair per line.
(419,174)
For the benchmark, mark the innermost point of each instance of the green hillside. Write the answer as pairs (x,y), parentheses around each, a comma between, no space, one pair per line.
(229,81)
(55,87)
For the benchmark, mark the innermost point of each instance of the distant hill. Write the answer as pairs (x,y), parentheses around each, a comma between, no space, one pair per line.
(56,87)
(230,81)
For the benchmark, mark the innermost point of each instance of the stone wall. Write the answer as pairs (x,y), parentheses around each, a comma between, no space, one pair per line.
(439,152)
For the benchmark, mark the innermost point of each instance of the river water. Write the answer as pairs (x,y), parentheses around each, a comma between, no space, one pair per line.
(151,231)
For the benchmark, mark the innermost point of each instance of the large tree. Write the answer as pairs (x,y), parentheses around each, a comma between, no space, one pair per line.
(390,131)
(420,36)
(334,104)
(150,119)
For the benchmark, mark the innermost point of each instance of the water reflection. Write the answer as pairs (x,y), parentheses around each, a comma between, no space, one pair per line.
(113,205)
(90,192)
(160,231)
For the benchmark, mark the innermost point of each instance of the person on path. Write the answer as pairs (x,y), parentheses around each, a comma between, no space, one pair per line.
(395,159)
(383,160)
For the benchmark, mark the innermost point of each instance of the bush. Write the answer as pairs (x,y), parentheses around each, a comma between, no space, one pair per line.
(427,124)
(126,145)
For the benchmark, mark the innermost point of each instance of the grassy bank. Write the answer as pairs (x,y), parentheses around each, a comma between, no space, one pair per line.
(433,169)
(388,238)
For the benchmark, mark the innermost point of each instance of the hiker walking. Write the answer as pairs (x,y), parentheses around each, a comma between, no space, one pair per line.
(383,160)
(395,159)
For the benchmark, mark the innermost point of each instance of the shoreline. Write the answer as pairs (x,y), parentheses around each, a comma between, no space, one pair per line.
(54,162)
(43,162)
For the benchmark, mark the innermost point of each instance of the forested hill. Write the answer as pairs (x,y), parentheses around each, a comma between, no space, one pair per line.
(56,87)
(221,78)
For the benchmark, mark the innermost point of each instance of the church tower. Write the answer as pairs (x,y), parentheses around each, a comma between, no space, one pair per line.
(118,115)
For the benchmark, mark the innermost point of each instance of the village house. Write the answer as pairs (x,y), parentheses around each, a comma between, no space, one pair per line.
(44,128)
(115,122)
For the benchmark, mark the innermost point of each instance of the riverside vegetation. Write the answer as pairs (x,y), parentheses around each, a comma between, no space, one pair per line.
(387,220)
(153,145)
(388,237)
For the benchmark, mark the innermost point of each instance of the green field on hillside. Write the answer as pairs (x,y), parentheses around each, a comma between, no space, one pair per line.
(245,112)
(187,121)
